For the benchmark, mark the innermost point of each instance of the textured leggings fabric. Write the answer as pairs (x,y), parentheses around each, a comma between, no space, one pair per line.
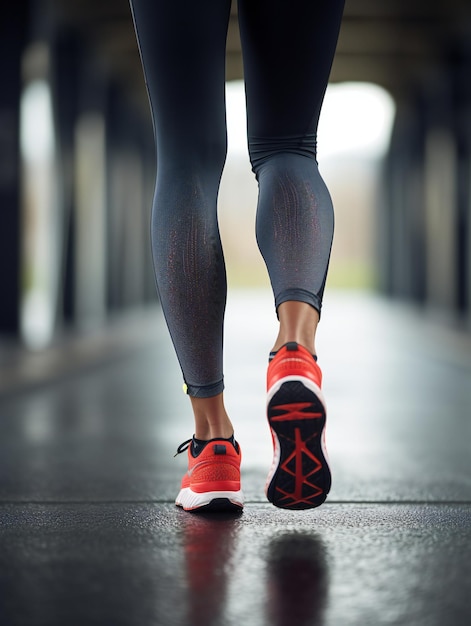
(288,47)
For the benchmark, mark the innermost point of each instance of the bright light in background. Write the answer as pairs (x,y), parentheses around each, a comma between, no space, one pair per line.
(356,117)
(39,258)
(37,128)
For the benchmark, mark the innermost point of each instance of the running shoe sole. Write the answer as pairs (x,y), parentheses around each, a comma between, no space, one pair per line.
(192,501)
(300,475)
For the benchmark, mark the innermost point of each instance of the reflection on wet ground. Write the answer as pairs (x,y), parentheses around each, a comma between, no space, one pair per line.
(297,580)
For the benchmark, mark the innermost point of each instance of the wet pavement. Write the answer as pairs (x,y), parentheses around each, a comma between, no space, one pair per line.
(88,530)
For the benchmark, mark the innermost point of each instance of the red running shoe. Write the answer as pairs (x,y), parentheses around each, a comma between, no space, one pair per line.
(300,476)
(212,481)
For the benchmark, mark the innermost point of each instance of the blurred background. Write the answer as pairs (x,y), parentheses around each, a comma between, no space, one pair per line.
(77,162)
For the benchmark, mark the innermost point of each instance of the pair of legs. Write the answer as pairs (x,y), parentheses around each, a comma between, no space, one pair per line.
(288,49)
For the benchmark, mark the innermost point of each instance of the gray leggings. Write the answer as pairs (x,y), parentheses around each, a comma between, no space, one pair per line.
(288,48)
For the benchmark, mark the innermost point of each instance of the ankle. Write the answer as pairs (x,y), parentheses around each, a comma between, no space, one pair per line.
(211,418)
(298,322)
(214,432)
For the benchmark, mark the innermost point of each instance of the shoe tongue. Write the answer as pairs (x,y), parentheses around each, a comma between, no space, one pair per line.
(197,446)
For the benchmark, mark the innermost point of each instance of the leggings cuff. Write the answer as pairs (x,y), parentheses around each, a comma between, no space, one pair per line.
(204,391)
(299,295)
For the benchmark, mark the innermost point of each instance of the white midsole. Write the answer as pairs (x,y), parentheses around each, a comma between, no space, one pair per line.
(189,499)
(309,384)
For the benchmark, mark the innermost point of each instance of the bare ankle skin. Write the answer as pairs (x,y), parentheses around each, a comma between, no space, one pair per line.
(298,322)
(211,419)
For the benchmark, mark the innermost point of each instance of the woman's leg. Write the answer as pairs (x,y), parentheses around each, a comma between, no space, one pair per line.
(182,47)
(288,51)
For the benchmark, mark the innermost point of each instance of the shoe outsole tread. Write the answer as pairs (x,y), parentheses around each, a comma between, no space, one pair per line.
(301,477)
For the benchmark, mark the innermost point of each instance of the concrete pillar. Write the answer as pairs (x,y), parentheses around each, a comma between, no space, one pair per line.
(127,241)
(462,133)
(90,220)
(401,246)
(441,216)
(90,200)
(65,54)
(13,37)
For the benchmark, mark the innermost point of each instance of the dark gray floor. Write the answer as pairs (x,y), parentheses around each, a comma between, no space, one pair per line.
(88,530)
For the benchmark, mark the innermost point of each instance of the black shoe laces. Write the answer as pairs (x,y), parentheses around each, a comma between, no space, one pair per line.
(183,446)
